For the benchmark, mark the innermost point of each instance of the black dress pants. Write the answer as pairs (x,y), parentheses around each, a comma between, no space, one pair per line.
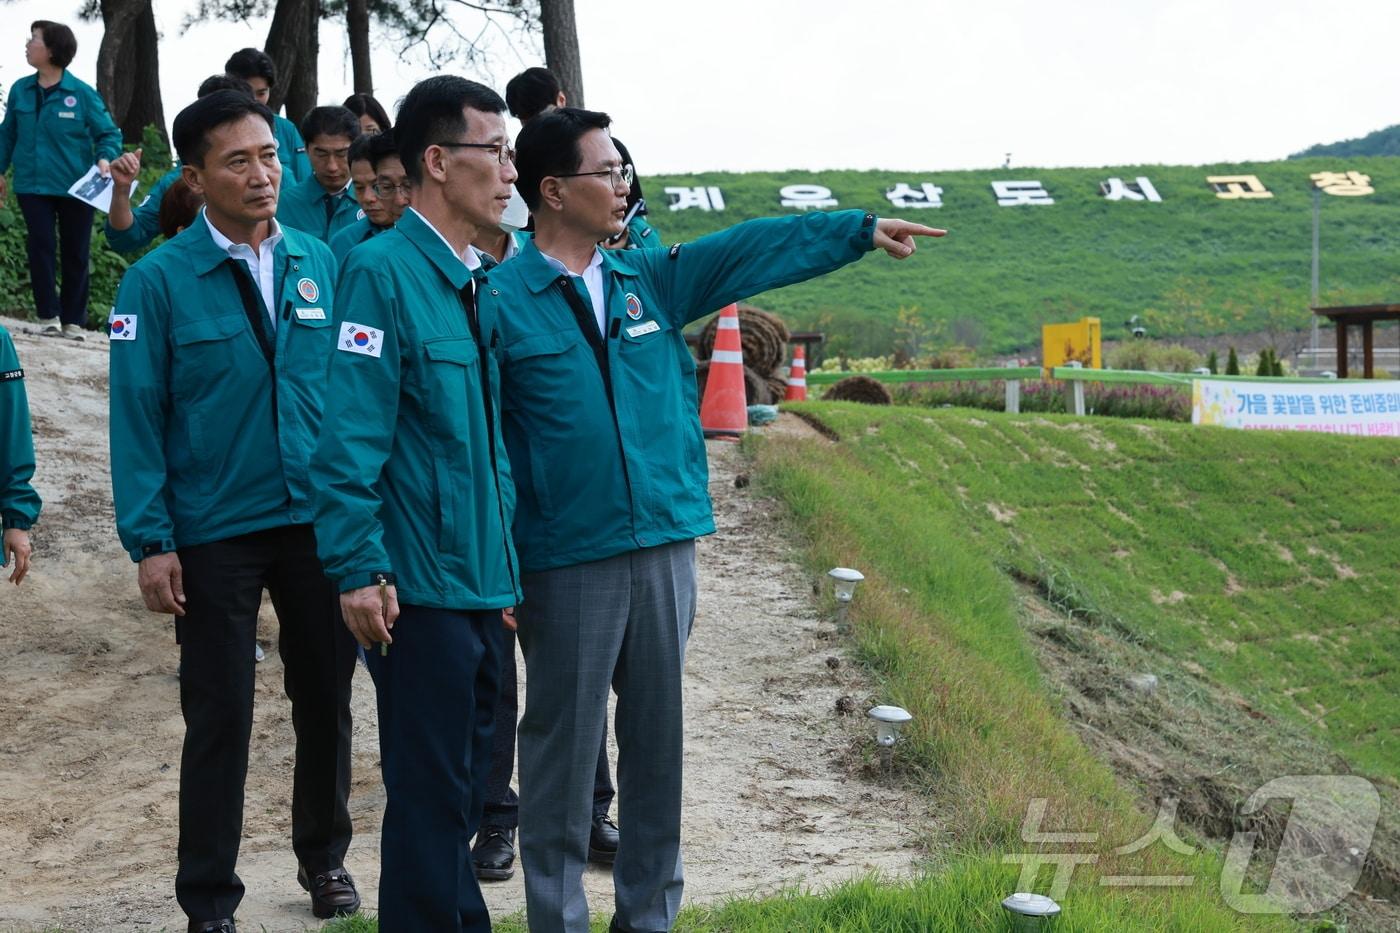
(71,247)
(502,804)
(224,582)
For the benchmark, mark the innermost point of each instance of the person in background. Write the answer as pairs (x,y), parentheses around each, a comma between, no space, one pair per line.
(219,342)
(55,128)
(131,230)
(178,209)
(19,503)
(373,117)
(535,91)
(323,204)
(380,212)
(612,493)
(257,69)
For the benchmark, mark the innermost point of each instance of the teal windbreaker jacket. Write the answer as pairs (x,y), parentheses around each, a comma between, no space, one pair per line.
(347,238)
(210,439)
(291,150)
(52,140)
(302,206)
(600,474)
(411,471)
(19,503)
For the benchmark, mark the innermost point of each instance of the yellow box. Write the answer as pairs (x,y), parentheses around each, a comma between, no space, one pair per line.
(1067,343)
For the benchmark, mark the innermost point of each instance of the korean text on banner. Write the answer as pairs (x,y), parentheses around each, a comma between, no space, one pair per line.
(1369,409)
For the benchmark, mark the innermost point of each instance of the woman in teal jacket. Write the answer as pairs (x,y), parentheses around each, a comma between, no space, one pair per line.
(55,128)
(19,503)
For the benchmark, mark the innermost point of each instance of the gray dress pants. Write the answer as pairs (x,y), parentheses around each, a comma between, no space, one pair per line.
(621,622)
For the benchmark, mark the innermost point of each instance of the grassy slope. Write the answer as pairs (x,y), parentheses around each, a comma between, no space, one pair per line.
(1192,264)
(1125,524)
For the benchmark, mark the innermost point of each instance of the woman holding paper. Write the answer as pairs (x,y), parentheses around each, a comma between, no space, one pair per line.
(55,128)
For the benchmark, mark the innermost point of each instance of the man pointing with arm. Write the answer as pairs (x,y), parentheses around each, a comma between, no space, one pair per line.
(598,401)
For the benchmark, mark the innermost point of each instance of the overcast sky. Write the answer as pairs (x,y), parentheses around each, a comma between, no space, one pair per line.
(942,84)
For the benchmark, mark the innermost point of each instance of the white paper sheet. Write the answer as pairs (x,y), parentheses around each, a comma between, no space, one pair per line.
(96,189)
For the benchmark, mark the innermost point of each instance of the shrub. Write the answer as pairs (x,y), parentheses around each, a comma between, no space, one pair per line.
(1232,365)
(1150,356)
(1169,403)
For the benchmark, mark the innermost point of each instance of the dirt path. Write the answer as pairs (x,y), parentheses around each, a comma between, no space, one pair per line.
(90,728)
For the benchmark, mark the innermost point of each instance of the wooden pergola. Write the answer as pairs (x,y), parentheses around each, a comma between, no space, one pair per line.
(1366,316)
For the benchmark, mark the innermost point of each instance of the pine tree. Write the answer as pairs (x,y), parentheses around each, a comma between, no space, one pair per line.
(1266,363)
(1232,364)
(1278,366)
(1213,363)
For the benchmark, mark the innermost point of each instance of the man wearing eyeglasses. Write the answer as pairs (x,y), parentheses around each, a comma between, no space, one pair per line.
(599,409)
(322,204)
(415,498)
(380,185)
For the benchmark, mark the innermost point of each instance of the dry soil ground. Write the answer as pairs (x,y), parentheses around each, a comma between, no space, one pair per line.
(90,728)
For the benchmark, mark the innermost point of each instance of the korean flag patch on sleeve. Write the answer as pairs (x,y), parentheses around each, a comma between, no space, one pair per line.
(357,338)
(121,326)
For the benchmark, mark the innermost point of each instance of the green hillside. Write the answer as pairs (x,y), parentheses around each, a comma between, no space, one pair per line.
(1384,142)
(1191,264)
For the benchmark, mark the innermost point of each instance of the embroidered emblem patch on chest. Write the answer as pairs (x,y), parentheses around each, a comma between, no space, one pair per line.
(634,307)
(70,101)
(307,290)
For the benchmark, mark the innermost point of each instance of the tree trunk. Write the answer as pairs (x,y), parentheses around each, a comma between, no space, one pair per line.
(357,26)
(293,45)
(128,67)
(561,47)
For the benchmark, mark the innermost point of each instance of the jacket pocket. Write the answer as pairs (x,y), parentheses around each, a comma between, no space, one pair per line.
(452,395)
(206,357)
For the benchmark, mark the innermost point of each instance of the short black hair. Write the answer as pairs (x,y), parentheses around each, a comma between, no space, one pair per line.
(432,113)
(252,63)
(381,147)
(193,125)
(359,149)
(549,146)
(365,105)
(223,83)
(531,92)
(329,121)
(59,40)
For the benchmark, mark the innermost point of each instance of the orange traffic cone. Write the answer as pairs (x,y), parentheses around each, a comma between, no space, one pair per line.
(724,412)
(797,377)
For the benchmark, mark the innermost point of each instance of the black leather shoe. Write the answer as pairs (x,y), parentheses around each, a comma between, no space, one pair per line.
(213,926)
(493,855)
(602,841)
(333,893)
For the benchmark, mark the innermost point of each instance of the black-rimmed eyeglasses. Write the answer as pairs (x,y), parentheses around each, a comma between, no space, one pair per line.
(617,175)
(504,153)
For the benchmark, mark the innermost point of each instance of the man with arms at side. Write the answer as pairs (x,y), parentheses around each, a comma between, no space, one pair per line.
(598,396)
(219,342)
(415,498)
(322,204)
(382,195)
(257,68)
